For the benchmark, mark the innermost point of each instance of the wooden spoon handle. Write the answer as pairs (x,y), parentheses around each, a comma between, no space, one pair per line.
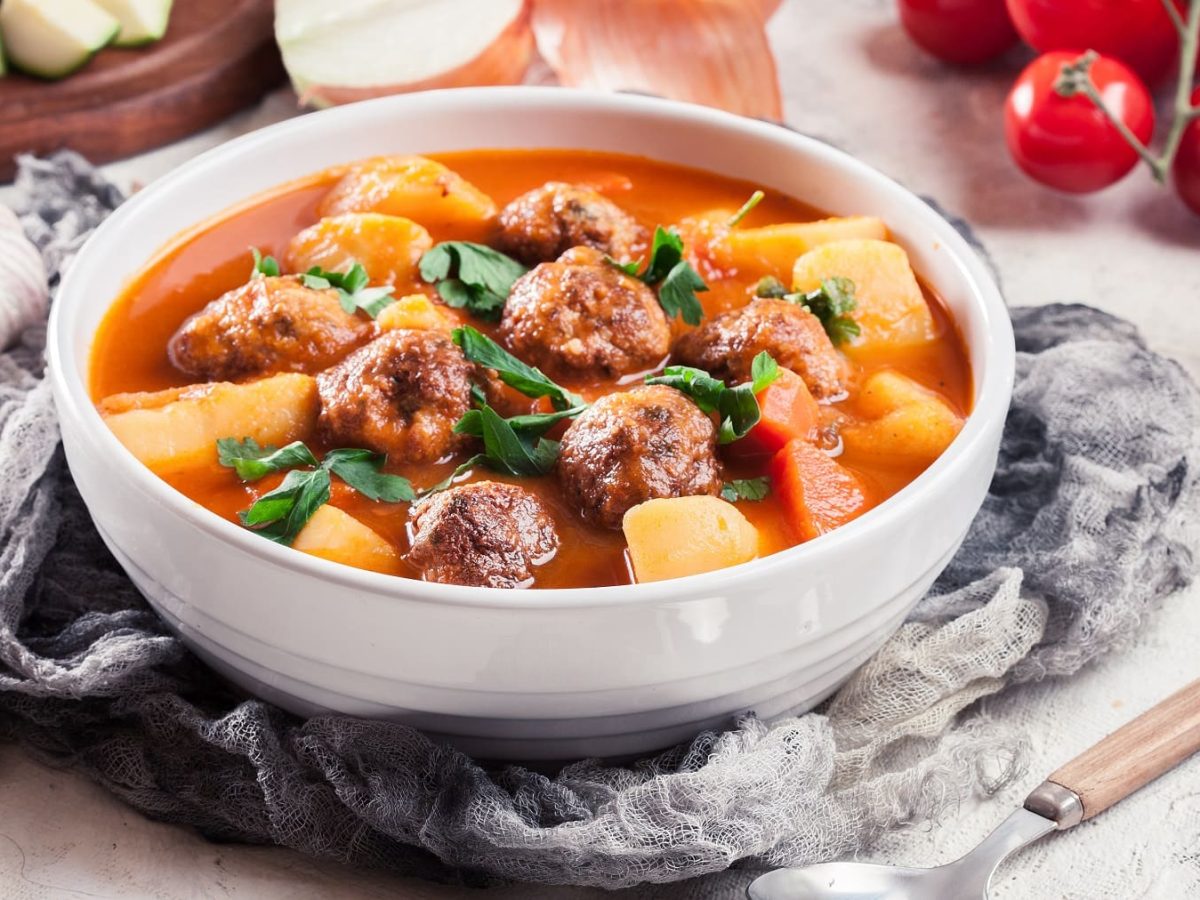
(1128,759)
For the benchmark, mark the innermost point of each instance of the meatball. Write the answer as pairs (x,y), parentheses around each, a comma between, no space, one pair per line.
(548,221)
(577,320)
(639,445)
(401,395)
(726,345)
(266,325)
(485,534)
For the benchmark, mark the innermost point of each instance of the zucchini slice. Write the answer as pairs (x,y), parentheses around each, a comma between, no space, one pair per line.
(142,21)
(53,38)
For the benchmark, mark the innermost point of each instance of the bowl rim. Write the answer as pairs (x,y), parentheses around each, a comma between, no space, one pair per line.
(70,385)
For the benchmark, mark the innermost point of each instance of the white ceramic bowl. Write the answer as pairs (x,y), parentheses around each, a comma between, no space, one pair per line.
(544,674)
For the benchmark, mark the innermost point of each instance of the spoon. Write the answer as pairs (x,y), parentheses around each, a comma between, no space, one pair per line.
(1126,760)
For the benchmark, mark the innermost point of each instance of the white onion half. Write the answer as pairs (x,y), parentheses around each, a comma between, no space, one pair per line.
(356,49)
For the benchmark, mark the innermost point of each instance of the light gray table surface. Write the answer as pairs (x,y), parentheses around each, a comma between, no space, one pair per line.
(850,77)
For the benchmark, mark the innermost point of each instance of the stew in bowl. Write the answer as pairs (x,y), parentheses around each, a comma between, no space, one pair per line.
(532,368)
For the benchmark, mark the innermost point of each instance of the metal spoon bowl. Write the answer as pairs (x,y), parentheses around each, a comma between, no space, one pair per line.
(1126,760)
(965,877)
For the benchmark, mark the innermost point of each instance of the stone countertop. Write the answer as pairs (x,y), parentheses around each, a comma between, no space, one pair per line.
(851,77)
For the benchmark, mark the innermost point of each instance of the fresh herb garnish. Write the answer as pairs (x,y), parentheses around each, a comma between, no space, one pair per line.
(362,470)
(832,303)
(471,276)
(737,407)
(514,446)
(352,289)
(264,266)
(508,449)
(279,515)
(755,199)
(746,489)
(532,382)
(677,281)
(252,462)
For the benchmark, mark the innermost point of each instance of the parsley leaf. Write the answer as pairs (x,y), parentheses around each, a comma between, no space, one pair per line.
(507,449)
(532,382)
(514,446)
(677,293)
(666,251)
(736,407)
(677,281)
(746,489)
(361,470)
(471,276)
(629,268)
(264,266)
(832,303)
(281,514)
(763,370)
(252,462)
(704,390)
(471,463)
(352,289)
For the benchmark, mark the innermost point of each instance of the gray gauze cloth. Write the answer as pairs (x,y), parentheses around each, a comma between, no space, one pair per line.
(1089,523)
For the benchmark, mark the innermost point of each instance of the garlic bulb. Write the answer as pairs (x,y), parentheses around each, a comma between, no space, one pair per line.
(24,296)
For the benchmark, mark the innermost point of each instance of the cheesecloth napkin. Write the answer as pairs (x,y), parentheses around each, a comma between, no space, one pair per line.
(1091,520)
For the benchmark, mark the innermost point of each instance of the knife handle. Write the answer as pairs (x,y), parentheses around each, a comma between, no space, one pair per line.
(1128,759)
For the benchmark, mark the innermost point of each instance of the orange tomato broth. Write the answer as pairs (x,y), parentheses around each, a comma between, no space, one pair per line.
(129,352)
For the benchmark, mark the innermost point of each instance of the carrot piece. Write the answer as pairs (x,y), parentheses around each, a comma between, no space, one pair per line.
(817,493)
(788,412)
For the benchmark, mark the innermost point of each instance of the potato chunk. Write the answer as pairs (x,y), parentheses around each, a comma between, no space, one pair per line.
(775,248)
(338,536)
(677,536)
(410,186)
(770,249)
(906,421)
(178,428)
(389,247)
(415,312)
(891,308)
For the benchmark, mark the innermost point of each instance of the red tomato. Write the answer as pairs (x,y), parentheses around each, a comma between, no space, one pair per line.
(1066,142)
(1137,32)
(963,32)
(1185,171)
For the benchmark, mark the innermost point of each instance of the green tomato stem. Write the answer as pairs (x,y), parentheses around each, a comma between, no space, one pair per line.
(1175,17)
(1076,78)
(1184,111)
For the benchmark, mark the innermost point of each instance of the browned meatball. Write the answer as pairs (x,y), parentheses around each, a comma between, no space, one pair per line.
(539,226)
(630,447)
(266,325)
(576,320)
(401,395)
(485,534)
(726,345)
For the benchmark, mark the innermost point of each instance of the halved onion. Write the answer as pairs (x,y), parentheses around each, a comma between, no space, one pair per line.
(357,49)
(713,52)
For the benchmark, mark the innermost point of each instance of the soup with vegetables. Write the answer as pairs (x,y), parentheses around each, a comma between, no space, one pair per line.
(538,368)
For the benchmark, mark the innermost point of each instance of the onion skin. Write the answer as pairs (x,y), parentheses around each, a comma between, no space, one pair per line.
(505,61)
(713,52)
